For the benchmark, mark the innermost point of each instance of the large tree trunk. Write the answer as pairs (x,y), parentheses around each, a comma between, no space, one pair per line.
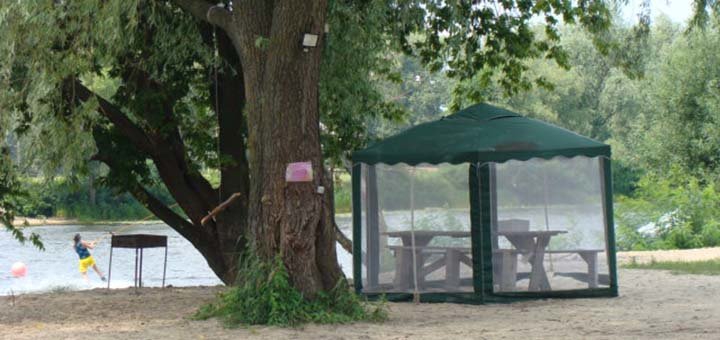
(276,83)
(282,80)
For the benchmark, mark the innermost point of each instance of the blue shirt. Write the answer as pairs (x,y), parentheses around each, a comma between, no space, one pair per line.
(81,251)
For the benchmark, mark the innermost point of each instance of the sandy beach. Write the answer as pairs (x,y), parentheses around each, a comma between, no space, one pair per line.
(652,305)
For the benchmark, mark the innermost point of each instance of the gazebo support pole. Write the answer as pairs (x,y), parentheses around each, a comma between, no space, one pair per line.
(493,204)
(480,229)
(373,224)
(606,187)
(486,202)
(357,226)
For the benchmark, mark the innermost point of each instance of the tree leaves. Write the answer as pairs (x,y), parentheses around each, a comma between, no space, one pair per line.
(9,191)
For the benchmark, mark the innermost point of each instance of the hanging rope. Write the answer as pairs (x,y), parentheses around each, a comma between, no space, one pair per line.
(225,204)
(416,292)
(216,56)
(110,233)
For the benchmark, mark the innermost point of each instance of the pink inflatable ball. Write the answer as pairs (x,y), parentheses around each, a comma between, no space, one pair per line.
(18,269)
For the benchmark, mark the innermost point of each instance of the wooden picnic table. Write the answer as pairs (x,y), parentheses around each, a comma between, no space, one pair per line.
(531,242)
(404,254)
(534,243)
(423,237)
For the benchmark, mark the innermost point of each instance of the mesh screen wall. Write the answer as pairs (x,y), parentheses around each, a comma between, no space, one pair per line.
(540,229)
(548,225)
(413,217)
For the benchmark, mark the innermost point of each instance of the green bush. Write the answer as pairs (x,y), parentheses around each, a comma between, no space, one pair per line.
(676,211)
(343,195)
(265,296)
(625,178)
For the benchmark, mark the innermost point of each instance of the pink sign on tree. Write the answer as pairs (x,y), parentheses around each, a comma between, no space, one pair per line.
(299,172)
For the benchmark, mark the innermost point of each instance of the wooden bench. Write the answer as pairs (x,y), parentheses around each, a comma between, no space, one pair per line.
(404,264)
(450,258)
(504,264)
(590,258)
(504,267)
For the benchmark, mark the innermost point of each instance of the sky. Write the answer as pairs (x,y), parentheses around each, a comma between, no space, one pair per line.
(678,10)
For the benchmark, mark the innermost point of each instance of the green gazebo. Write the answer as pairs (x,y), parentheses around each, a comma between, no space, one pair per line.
(483,205)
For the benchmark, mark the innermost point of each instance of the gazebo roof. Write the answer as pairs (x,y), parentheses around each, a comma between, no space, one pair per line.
(477,134)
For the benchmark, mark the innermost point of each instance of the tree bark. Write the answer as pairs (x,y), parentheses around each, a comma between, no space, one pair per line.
(282,81)
(267,105)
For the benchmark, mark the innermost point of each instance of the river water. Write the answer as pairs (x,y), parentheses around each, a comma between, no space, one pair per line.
(57,267)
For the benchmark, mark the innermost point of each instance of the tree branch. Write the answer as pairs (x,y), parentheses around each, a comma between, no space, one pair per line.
(196,236)
(129,129)
(344,241)
(185,187)
(160,210)
(206,11)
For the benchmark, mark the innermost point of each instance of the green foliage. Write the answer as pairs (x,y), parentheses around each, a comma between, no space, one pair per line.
(625,177)
(445,220)
(343,194)
(350,98)
(264,296)
(9,193)
(709,267)
(437,187)
(469,39)
(63,197)
(677,211)
(681,114)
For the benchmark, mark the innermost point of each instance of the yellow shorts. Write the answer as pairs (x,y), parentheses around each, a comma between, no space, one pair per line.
(86,263)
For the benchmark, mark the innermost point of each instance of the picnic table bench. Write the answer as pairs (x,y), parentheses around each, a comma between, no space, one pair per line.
(532,243)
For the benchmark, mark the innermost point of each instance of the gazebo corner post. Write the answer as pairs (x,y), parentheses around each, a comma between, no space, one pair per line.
(372,232)
(606,173)
(486,235)
(356,174)
(477,237)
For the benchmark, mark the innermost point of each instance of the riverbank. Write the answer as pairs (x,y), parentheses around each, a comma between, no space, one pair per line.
(59,221)
(652,305)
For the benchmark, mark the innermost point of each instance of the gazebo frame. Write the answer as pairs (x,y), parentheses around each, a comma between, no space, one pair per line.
(482,182)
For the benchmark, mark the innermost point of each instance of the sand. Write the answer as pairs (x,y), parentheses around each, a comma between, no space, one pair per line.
(689,255)
(35,222)
(652,305)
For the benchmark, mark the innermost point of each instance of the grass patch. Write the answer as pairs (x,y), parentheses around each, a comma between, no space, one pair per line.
(265,296)
(60,289)
(709,267)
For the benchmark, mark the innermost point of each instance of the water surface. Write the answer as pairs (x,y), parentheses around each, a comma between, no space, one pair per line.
(57,266)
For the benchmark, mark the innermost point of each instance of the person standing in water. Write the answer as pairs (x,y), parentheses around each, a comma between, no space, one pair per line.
(86,260)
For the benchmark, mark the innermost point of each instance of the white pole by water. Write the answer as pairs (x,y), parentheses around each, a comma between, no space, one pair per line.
(545,198)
